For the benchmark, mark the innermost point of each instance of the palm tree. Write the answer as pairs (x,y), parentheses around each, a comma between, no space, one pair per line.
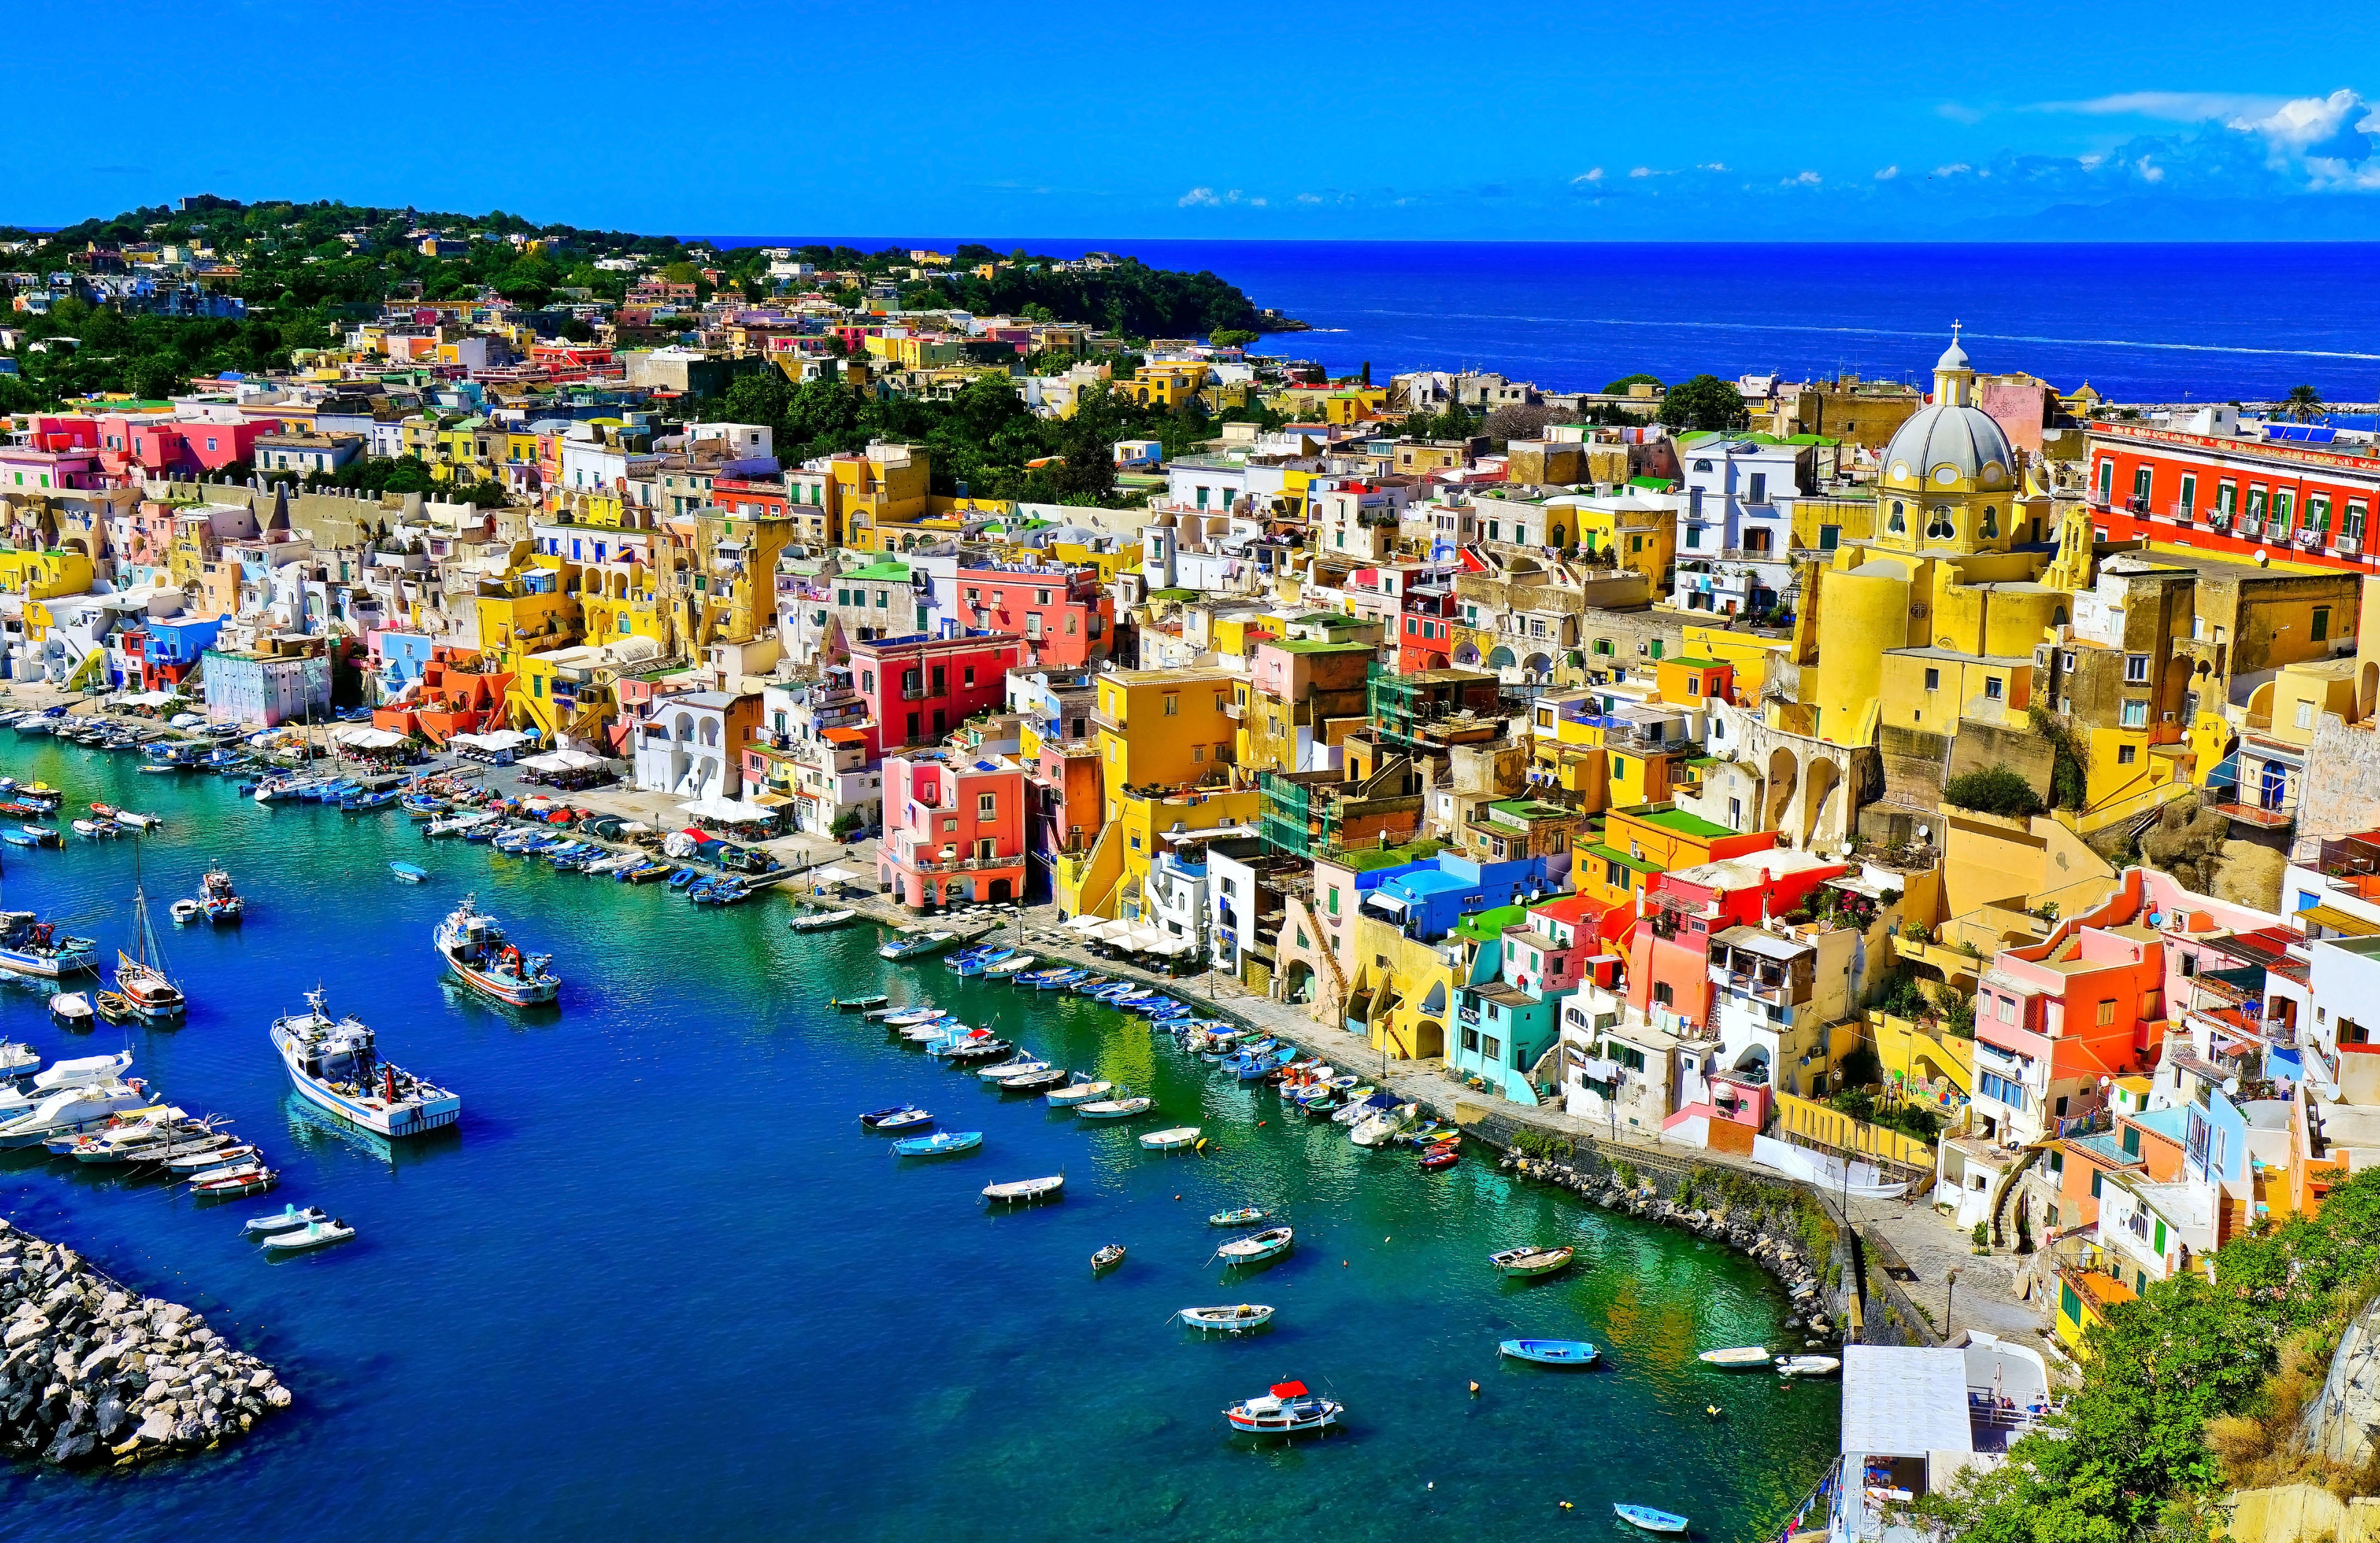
(2302,403)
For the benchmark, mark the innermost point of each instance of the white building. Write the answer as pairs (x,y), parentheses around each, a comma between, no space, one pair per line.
(684,747)
(1735,534)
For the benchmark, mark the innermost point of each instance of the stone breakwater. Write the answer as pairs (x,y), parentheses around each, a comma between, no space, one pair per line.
(1780,1252)
(90,1368)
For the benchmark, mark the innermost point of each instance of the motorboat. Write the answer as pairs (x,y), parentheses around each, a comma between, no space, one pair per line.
(1243,1217)
(1039,1082)
(1737,1358)
(1239,1319)
(335,1065)
(940,1144)
(96,829)
(821,921)
(231,1186)
(1010,967)
(123,1136)
(455,824)
(1170,1139)
(895,1117)
(1284,1409)
(974,1050)
(22,1086)
(314,1234)
(1114,1109)
(289,1218)
(915,945)
(472,943)
(1107,1258)
(910,1017)
(1382,1125)
(1079,1093)
(409,873)
(185,911)
(1024,1065)
(221,902)
(1023,1192)
(70,1110)
(1549,1353)
(860,1004)
(1650,1519)
(1256,1247)
(71,1011)
(1532,1261)
(944,1032)
(1807,1365)
(192,1160)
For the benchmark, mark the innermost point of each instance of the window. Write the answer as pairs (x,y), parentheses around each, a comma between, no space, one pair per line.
(2317,511)
(1939,527)
(2004,1009)
(987,806)
(1991,1084)
(2353,528)
(2305,716)
(2283,505)
(1334,902)
(2127,754)
(1662,995)
(1933,679)
(2107,1015)
(1172,704)
(2134,715)
(2189,491)
(2136,669)
(1991,526)
(1759,493)
(1897,524)
(2321,633)
(1992,687)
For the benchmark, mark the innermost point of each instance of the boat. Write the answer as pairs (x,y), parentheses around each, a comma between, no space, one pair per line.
(42,835)
(455,824)
(916,945)
(184,912)
(1284,1409)
(900,1117)
(821,921)
(472,943)
(1549,1353)
(254,1181)
(422,806)
(1014,964)
(198,1159)
(289,1218)
(1244,1216)
(69,1109)
(1649,1518)
(335,1066)
(409,873)
(18,838)
(1807,1365)
(1107,1258)
(314,1234)
(71,1011)
(1382,1125)
(144,991)
(683,877)
(1239,1319)
(1532,1261)
(1256,1247)
(1022,1192)
(97,830)
(1008,1071)
(912,1017)
(1170,1139)
(1114,1109)
(860,1004)
(1737,1358)
(221,902)
(1076,1093)
(1439,1158)
(1039,1082)
(138,821)
(940,1144)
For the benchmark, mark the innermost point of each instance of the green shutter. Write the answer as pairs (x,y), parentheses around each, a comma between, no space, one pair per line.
(2096,1177)
(2160,1238)
(2068,1304)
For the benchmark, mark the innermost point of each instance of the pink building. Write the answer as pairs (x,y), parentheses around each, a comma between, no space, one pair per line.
(918,690)
(160,448)
(56,452)
(954,827)
(1065,615)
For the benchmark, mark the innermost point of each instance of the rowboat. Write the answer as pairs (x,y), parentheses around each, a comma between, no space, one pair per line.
(990,1048)
(1807,1365)
(1256,1247)
(1168,1140)
(1107,1258)
(1549,1353)
(1024,1066)
(915,945)
(200,1160)
(915,1015)
(71,1011)
(1237,1319)
(940,1144)
(1077,1093)
(1438,1158)
(1114,1109)
(1531,1261)
(289,1220)
(314,1234)
(1021,1192)
(1037,1082)
(860,1004)
(820,921)
(1284,1409)
(1650,1519)
(1738,1358)
(409,873)
(1013,965)
(900,1117)
(1241,1217)
(255,1181)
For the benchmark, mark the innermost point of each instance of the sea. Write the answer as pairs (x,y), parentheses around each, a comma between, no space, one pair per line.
(659,1283)
(2138,322)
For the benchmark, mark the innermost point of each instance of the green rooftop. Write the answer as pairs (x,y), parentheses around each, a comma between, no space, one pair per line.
(1530,809)
(1633,865)
(1489,925)
(1316,645)
(1697,663)
(892,572)
(1684,824)
(1182,595)
(1370,859)
(1651,484)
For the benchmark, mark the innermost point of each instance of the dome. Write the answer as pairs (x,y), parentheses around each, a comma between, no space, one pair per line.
(1953,358)
(1964,440)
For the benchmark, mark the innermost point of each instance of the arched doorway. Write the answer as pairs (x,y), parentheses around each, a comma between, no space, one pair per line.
(1000,890)
(1429,1039)
(1825,777)
(1297,986)
(1784,778)
(1538,667)
(1466,654)
(2367,689)
(1501,659)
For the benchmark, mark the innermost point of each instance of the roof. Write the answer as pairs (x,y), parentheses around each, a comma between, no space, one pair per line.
(2338,921)
(1769,945)
(1491,924)
(1905,1402)
(1966,439)
(1682,822)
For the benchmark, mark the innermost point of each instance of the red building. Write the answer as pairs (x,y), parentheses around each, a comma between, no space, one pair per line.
(918,689)
(454,696)
(1065,615)
(1424,625)
(157,447)
(954,827)
(2224,493)
(1668,965)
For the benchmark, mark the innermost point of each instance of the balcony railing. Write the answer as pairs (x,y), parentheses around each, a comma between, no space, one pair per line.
(2251,525)
(957,864)
(2348,546)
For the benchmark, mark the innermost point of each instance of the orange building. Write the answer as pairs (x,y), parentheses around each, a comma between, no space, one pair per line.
(454,696)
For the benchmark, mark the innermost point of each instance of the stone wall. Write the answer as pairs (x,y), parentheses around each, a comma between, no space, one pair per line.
(2341,794)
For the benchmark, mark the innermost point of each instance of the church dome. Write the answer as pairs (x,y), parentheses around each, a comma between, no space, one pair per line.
(1948,445)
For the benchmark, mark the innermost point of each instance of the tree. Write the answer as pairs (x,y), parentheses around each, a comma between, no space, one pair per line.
(1703,403)
(1619,387)
(1234,337)
(1517,421)
(2304,404)
(1994,790)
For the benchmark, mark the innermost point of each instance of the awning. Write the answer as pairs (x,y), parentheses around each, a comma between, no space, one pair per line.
(1113,931)
(1220,833)
(1147,939)
(2336,920)
(834,873)
(728,811)
(494,742)
(365,738)
(1902,1402)
(563,760)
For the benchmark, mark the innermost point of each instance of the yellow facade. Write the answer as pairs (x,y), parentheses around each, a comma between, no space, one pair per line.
(1645,540)
(45,574)
(528,612)
(1748,655)
(1398,995)
(884,494)
(1931,689)
(1163,728)
(1146,819)
(621,600)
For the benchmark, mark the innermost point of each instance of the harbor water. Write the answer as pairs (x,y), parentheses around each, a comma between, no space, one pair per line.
(659,1283)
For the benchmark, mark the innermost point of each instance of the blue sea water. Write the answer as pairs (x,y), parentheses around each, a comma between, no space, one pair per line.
(2139,322)
(659,1285)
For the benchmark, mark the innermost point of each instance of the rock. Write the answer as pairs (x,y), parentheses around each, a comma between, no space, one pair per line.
(24,1329)
(68,1446)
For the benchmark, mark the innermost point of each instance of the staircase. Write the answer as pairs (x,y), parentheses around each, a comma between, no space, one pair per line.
(1330,960)
(2029,1156)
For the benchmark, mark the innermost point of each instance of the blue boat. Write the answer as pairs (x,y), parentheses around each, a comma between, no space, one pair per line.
(18,838)
(1549,1353)
(409,873)
(940,1144)
(1650,1519)
(682,878)
(481,832)
(363,803)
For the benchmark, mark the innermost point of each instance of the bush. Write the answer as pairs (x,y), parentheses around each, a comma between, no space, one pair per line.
(1994,790)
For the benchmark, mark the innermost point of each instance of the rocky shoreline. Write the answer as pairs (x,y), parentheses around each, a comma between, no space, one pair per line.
(1782,1256)
(90,1369)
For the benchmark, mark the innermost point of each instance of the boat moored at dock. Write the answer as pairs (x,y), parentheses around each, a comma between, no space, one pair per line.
(335,1065)
(472,943)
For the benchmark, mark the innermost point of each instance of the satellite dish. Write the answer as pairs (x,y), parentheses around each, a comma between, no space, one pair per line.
(2230,1085)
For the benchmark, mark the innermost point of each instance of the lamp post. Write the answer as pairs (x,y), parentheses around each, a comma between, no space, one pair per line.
(1948,1296)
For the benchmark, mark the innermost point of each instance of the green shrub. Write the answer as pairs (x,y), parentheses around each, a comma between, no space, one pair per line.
(1994,790)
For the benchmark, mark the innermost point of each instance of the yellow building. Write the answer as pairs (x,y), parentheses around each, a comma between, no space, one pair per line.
(533,608)
(1167,383)
(1642,536)
(883,495)
(38,576)
(914,353)
(1163,729)
(1402,1005)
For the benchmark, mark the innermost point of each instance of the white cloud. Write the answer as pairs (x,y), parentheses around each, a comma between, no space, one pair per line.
(1195,197)
(1953,169)
(1309,198)
(2333,127)
(1593,173)
(2170,106)
(2149,171)
(1807,179)
(1712,166)
(1958,112)
(1642,171)
(1887,173)
(1259,202)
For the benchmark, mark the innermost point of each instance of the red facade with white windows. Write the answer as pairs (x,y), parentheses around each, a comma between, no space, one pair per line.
(2220,494)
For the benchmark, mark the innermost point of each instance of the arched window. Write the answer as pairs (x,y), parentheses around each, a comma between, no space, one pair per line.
(1939,527)
(2058,617)
(1897,525)
(1991,526)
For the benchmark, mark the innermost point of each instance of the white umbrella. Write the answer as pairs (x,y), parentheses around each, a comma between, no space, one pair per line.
(1112,931)
(1146,939)
(1085,923)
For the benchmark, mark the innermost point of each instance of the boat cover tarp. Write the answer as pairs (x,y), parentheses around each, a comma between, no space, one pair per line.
(1903,1402)
(1824,1170)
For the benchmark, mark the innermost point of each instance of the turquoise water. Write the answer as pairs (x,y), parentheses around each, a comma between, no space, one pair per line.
(659,1284)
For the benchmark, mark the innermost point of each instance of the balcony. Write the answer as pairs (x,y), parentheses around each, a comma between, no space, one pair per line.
(2348,546)
(2252,526)
(957,865)
(2310,540)
(913,693)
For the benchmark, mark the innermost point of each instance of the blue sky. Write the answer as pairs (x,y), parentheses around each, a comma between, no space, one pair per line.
(1779,121)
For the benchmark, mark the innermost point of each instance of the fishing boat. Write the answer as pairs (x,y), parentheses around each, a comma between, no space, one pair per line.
(1238,1318)
(1013,965)
(193,1159)
(422,806)
(41,835)
(289,1218)
(1439,1157)
(1026,1066)
(1114,1109)
(860,1004)
(138,821)
(821,921)
(1549,1353)
(1532,1261)
(1077,1093)
(41,796)
(1284,1409)
(980,1046)
(910,1017)
(940,1144)
(916,945)
(1107,1258)
(1737,1358)
(1649,1518)
(1023,1192)
(1170,1139)
(335,1065)
(1382,1125)
(1256,1247)
(69,1109)
(472,943)
(939,1035)
(1244,1216)
(1807,1365)
(314,1234)
(143,990)
(71,1011)
(218,899)
(97,830)
(899,1117)
(409,873)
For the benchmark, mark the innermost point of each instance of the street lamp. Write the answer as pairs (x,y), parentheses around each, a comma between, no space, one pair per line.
(1948,1296)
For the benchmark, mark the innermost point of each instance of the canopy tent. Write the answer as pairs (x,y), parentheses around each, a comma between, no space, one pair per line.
(362,736)
(729,811)
(150,698)
(1086,923)
(1114,931)
(1174,948)
(563,760)
(1146,939)
(495,742)
(834,873)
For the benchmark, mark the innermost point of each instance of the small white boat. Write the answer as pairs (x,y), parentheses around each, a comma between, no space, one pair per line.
(1807,1365)
(910,1017)
(1737,1357)
(1019,1192)
(1651,1518)
(1255,1247)
(1079,1093)
(314,1234)
(1167,1140)
(225,1155)
(1284,1409)
(820,921)
(1025,1066)
(184,912)
(1014,964)
(138,821)
(288,1220)
(71,1010)
(1238,1318)
(1114,1109)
